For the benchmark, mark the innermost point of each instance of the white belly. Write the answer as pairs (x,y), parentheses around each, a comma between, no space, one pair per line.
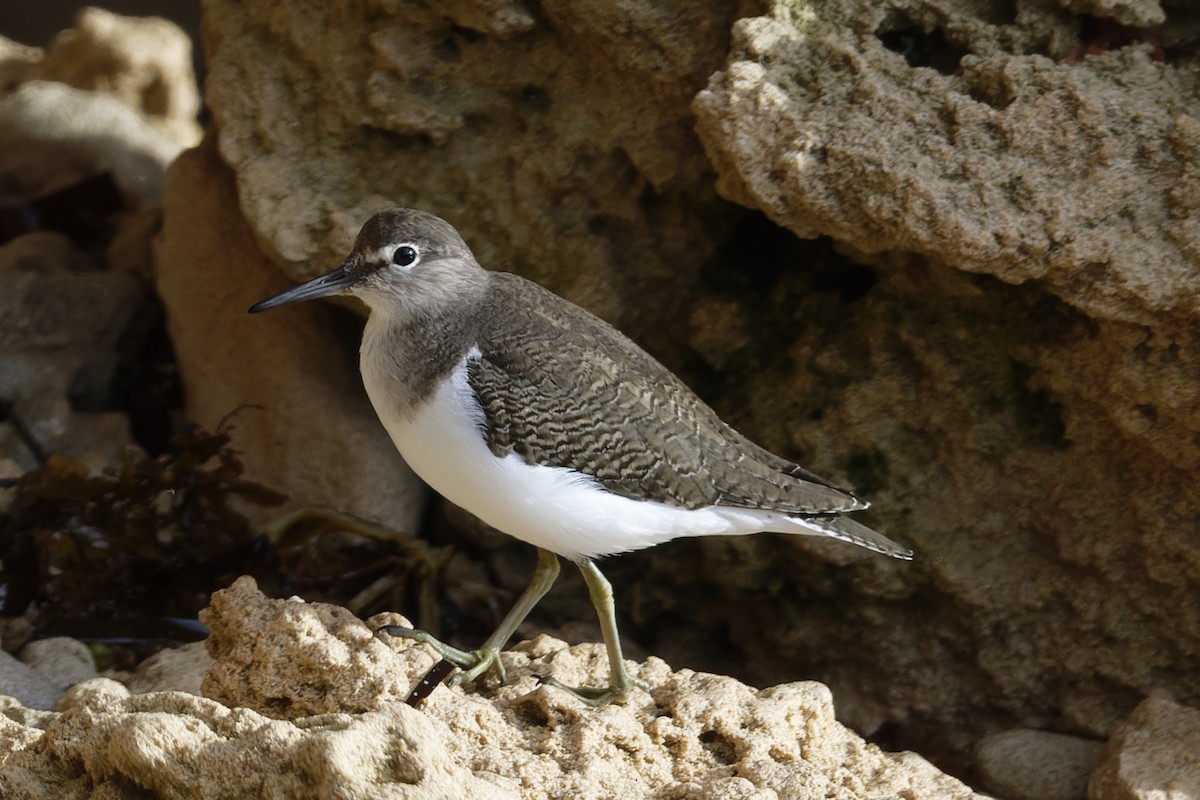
(555,508)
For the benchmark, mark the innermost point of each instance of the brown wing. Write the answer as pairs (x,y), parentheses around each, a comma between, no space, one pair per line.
(565,389)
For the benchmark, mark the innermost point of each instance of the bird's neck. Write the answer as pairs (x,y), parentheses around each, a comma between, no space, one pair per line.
(405,356)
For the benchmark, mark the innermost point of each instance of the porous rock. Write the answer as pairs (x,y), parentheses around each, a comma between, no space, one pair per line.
(113,94)
(995,339)
(557,158)
(105,742)
(293,659)
(98,102)
(1011,381)
(145,62)
(696,736)
(20,725)
(1152,755)
(968,171)
(1133,13)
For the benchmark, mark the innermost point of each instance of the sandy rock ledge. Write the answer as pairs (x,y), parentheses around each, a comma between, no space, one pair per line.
(303,698)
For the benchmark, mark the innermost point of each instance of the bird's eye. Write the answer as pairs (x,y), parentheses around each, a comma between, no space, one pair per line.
(404,256)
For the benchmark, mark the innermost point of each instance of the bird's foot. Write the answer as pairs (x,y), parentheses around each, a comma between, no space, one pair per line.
(473,664)
(596,696)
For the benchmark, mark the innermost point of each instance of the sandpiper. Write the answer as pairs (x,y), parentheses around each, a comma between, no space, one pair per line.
(551,426)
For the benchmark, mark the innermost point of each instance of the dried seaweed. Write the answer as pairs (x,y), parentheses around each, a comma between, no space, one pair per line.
(147,540)
(131,555)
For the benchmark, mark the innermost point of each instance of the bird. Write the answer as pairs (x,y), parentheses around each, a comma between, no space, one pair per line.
(550,425)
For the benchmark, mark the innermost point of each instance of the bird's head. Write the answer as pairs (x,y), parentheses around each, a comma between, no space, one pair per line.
(404,263)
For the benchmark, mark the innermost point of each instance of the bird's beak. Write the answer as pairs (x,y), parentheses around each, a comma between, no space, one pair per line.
(328,284)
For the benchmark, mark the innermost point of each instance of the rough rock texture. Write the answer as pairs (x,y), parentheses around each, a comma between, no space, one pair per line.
(296,659)
(178,669)
(1019,377)
(562,156)
(1012,379)
(1152,755)
(106,743)
(115,93)
(968,171)
(313,435)
(701,737)
(1134,13)
(20,726)
(145,62)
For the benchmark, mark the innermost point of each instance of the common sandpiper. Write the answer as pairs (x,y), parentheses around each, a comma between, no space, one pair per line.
(550,425)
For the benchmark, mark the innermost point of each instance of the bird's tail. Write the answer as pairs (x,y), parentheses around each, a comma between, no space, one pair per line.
(847,530)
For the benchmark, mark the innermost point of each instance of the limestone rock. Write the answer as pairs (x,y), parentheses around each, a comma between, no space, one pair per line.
(105,742)
(61,660)
(1152,755)
(294,659)
(61,315)
(308,429)
(1037,765)
(697,736)
(20,726)
(52,135)
(1011,381)
(57,298)
(559,158)
(968,171)
(976,181)
(18,63)
(61,318)
(996,338)
(113,94)
(24,684)
(1134,13)
(173,669)
(145,62)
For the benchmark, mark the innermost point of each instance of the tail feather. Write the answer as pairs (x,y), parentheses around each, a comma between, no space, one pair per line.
(847,530)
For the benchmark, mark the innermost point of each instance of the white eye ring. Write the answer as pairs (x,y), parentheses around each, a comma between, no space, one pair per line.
(405,256)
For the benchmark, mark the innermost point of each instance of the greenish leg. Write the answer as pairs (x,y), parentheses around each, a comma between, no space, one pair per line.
(620,682)
(487,657)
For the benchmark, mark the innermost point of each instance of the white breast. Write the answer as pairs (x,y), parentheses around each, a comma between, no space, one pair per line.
(559,509)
